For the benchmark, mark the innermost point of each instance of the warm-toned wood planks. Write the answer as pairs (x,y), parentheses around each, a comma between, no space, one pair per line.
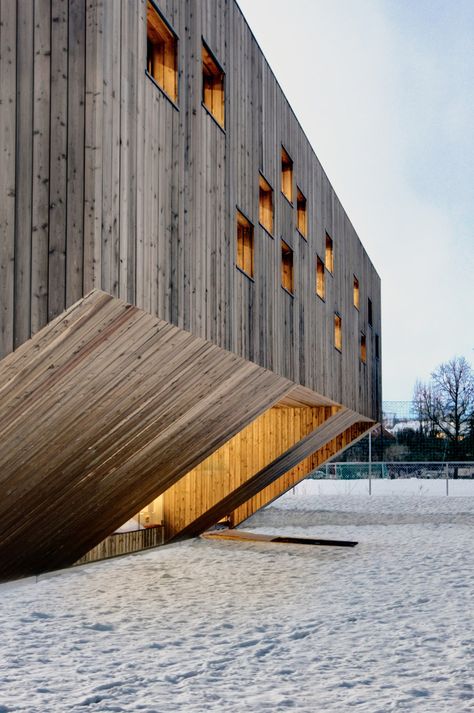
(294,475)
(322,439)
(271,434)
(101,411)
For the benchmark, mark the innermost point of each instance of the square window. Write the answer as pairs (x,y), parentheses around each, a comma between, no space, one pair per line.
(363,348)
(286,175)
(320,285)
(338,332)
(302,216)
(212,86)
(265,205)
(356,292)
(161,59)
(245,250)
(329,257)
(286,267)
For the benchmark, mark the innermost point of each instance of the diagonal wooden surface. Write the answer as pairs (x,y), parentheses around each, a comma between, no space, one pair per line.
(100,412)
(292,477)
(317,439)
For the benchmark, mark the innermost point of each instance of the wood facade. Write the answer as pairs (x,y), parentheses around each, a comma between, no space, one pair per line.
(111,182)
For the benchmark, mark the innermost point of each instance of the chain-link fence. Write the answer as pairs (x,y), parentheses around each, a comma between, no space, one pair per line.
(440,478)
(401,437)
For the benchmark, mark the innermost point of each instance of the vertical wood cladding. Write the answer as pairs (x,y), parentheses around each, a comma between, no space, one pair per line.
(107,183)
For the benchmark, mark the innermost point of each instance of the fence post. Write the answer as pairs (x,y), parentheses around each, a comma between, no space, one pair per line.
(447,479)
(370,462)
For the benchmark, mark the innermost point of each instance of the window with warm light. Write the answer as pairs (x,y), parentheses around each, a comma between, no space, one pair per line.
(212,86)
(320,285)
(286,175)
(329,256)
(245,250)
(338,332)
(302,216)
(265,205)
(286,267)
(363,348)
(161,59)
(356,292)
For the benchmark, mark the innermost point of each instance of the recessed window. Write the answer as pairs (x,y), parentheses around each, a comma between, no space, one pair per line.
(161,63)
(338,332)
(363,348)
(301,212)
(377,346)
(286,175)
(212,86)
(369,311)
(244,244)
(356,292)
(320,286)
(329,257)
(286,267)
(265,205)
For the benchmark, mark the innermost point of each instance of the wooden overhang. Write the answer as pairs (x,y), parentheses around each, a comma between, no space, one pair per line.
(100,412)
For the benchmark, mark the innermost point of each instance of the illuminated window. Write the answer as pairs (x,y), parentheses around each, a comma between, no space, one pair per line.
(320,286)
(302,214)
(329,257)
(338,332)
(356,292)
(161,63)
(244,244)
(286,175)
(212,86)
(369,311)
(286,267)
(363,348)
(265,205)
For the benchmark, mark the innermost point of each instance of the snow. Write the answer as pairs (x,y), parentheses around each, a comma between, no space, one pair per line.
(210,625)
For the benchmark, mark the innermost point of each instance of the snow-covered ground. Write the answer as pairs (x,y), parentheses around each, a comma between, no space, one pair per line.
(241,626)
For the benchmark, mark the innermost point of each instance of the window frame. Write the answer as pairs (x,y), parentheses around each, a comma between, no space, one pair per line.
(261,178)
(285,155)
(242,220)
(338,332)
(329,251)
(320,262)
(356,292)
(300,194)
(205,48)
(285,250)
(174,34)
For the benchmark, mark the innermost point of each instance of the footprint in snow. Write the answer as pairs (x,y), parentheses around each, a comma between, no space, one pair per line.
(99,627)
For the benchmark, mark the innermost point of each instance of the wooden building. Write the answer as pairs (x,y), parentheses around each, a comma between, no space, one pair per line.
(185,307)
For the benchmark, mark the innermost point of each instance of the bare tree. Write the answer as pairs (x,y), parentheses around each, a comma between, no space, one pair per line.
(446,403)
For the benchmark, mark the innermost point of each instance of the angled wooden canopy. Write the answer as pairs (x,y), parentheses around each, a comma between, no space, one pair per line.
(100,412)
(332,434)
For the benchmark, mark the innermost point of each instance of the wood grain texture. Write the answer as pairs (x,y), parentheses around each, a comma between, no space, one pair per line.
(257,445)
(322,438)
(293,476)
(122,189)
(101,411)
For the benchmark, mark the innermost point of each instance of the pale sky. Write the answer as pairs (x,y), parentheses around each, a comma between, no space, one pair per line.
(384,90)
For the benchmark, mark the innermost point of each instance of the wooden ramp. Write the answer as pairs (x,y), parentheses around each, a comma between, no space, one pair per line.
(100,412)
(241,535)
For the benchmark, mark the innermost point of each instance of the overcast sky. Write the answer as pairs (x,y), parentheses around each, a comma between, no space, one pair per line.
(384,89)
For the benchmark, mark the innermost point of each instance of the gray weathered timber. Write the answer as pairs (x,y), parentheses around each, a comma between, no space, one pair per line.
(101,411)
(106,183)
